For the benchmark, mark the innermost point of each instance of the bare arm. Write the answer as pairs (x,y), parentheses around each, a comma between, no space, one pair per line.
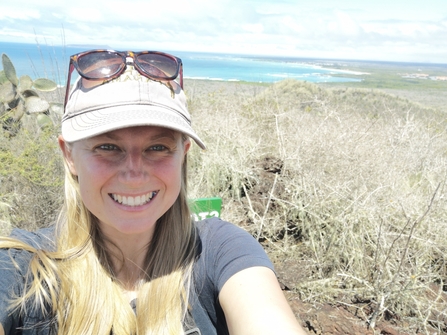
(254,304)
(2,331)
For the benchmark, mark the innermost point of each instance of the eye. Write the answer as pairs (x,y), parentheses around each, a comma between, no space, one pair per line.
(107,147)
(158,147)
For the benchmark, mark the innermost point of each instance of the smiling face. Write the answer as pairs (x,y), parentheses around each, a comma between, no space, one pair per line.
(128,178)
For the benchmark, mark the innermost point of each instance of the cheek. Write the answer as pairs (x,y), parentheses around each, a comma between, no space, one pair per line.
(171,173)
(91,177)
(87,167)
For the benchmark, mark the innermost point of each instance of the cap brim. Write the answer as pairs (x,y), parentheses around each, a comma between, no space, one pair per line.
(108,119)
(127,101)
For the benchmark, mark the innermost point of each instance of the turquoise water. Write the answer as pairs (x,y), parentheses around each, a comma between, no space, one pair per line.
(52,62)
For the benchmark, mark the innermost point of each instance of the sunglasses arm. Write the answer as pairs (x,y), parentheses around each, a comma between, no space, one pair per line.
(67,87)
(181,75)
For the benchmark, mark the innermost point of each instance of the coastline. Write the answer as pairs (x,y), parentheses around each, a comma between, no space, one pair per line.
(426,96)
(329,68)
(52,61)
(197,87)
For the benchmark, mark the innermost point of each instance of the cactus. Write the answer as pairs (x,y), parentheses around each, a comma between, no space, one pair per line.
(18,96)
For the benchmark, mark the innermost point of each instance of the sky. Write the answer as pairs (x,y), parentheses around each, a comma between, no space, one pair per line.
(379,30)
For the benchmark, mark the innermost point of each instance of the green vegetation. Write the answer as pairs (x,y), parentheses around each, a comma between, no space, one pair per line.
(30,178)
(30,167)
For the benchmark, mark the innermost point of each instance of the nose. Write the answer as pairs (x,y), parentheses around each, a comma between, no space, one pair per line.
(134,168)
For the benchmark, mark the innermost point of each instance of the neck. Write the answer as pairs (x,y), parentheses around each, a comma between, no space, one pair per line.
(128,261)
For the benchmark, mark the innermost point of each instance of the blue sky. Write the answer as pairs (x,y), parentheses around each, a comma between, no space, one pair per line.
(394,30)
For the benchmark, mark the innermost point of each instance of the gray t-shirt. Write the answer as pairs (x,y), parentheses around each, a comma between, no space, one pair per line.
(224,250)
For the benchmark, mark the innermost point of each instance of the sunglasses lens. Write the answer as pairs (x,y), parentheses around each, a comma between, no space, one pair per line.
(100,64)
(158,65)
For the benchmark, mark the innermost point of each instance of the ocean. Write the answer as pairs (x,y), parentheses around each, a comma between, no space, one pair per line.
(51,62)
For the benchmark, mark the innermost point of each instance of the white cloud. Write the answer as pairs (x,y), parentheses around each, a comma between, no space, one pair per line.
(292,24)
(253,28)
(345,24)
(314,29)
(18,13)
(84,14)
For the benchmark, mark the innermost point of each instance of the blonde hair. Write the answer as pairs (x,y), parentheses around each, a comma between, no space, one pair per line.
(78,283)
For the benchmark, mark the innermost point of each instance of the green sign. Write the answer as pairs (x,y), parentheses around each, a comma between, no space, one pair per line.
(204,208)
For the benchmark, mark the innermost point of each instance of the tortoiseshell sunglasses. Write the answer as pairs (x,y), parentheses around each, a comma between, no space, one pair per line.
(104,65)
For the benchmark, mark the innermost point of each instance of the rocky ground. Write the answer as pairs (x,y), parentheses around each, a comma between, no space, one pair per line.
(330,319)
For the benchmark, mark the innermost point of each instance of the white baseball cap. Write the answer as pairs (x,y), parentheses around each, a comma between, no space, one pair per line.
(127,101)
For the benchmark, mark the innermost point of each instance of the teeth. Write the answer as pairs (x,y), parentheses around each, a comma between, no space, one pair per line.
(133,201)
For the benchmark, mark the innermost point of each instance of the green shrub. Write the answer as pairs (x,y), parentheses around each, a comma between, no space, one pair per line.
(31,177)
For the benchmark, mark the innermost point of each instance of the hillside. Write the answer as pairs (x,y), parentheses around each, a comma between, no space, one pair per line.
(346,190)
(344,187)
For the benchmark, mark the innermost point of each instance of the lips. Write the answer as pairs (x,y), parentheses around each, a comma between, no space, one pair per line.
(130,201)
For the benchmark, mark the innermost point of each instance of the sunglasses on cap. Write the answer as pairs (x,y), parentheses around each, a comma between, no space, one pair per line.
(104,65)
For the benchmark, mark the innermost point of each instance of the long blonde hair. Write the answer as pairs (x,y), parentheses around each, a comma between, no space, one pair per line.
(75,285)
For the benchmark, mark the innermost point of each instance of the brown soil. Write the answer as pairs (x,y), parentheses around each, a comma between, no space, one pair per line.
(340,319)
(346,317)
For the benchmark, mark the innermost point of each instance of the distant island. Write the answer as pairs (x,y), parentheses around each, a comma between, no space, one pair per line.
(423,76)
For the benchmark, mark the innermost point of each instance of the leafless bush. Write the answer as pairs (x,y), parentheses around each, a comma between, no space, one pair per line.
(351,181)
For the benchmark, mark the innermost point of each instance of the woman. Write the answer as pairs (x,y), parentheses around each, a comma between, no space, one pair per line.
(125,256)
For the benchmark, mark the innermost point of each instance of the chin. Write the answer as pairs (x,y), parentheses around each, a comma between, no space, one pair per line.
(129,229)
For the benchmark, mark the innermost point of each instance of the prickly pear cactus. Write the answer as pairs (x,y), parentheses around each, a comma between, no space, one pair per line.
(18,96)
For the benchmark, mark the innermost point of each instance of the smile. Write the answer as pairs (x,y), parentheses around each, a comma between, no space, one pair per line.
(133,201)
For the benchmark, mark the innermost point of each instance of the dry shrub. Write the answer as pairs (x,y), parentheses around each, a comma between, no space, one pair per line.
(352,183)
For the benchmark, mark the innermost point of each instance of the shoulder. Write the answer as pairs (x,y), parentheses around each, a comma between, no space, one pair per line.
(216,228)
(15,256)
(39,239)
(14,262)
(219,238)
(225,249)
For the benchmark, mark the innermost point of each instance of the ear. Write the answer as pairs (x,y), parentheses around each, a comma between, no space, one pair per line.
(66,152)
(186,145)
